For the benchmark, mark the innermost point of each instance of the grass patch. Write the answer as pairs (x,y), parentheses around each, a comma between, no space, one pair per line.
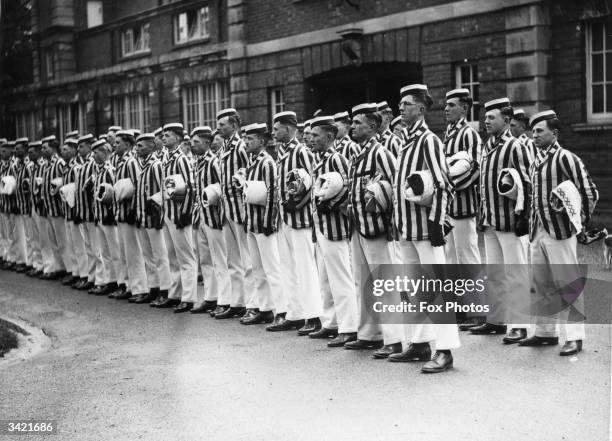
(8,336)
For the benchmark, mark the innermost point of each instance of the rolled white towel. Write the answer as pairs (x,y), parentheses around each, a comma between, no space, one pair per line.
(298,182)
(104,193)
(56,184)
(566,197)
(419,188)
(459,163)
(174,185)
(212,195)
(255,192)
(8,185)
(68,194)
(124,189)
(157,198)
(382,196)
(509,184)
(328,186)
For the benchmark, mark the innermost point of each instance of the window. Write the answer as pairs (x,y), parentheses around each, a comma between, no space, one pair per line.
(132,111)
(25,125)
(49,64)
(277,102)
(191,25)
(466,76)
(71,117)
(94,13)
(201,103)
(599,71)
(135,40)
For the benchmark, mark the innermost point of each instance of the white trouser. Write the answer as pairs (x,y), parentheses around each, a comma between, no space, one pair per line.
(337,284)
(80,252)
(267,278)
(508,287)
(3,236)
(299,268)
(372,252)
(446,335)
(95,266)
(218,256)
(205,265)
(182,259)
(546,250)
(462,242)
(37,259)
(46,256)
(57,241)
(29,239)
(72,265)
(238,263)
(108,241)
(155,256)
(19,240)
(134,260)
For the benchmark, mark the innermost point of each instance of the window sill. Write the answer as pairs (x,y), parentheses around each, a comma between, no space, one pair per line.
(136,55)
(592,127)
(191,43)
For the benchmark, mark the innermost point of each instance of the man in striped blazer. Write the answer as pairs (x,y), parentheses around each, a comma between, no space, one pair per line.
(10,209)
(209,238)
(55,169)
(5,155)
(385,136)
(84,215)
(132,259)
(38,208)
(33,250)
(462,245)
(343,143)
(72,268)
(262,226)
(232,159)
(24,204)
(295,235)
(397,126)
(519,126)
(552,235)
(150,219)
(504,223)
(332,236)
(17,170)
(113,271)
(421,227)
(371,219)
(178,230)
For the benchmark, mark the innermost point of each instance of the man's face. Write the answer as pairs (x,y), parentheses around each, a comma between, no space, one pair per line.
(67,152)
(170,139)
(343,129)
(362,129)
(517,128)
(145,148)
(308,136)
(410,110)
(217,143)
(199,145)
(33,154)
(84,148)
(225,127)
(159,141)
(454,110)
(281,132)
(495,122)
(542,135)
(321,139)
(100,155)
(121,146)
(110,138)
(398,128)
(21,150)
(5,153)
(47,150)
(253,143)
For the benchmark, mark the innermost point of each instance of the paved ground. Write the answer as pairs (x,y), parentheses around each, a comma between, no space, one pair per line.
(125,372)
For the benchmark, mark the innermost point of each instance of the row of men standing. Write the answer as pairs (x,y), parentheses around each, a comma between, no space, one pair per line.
(257,257)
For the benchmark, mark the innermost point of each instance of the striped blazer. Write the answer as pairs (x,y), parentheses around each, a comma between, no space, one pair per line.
(104,213)
(263,218)
(19,171)
(180,211)
(335,224)
(4,166)
(506,151)
(461,137)
(84,175)
(295,156)
(232,158)
(530,144)
(149,182)
(346,147)
(208,173)
(70,177)
(127,168)
(422,151)
(38,170)
(55,168)
(24,201)
(390,141)
(374,161)
(551,167)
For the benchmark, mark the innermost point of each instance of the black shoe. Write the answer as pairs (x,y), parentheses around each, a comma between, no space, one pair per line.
(200,278)
(259,318)
(135,297)
(207,306)
(387,350)
(183,307)
(169,303)
(342,339)
(47,276)
(119,292)
(160,298)
(122,295)
(471,323)
(515,335)
(250,312)
(21,268)
(440,362)
(32,273)
(95,289)
(488,328)
(68,280)
(148,298)
(107,289)
(87,286)
(414,352)
(311,325)
(323,333)
(539,341)
(231,312)
(571,348)
(282,324)
(364,344)
(79,283)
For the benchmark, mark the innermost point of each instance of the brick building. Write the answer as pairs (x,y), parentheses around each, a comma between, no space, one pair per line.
(139,63)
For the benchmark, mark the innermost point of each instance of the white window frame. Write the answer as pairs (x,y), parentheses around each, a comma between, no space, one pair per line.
(132,111)
(68,120)
(277,101)
(49,64)
(131,47)
(202,101)
(599,117)
(181,25)
(473,118)
(95,15)
(25,125)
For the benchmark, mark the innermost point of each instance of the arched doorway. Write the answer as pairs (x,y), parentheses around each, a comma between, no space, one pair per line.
(340,89)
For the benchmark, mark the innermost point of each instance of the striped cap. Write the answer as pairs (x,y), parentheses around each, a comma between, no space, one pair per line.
(114,128)
(201,130)
(383,106)
(35,144)
(230,111)
(3,141)
(158,132)
(86,138)
(100,143)
(542,116)
(287,117)
(71,142)
(259,128)
(519,114)
(73,134)
(124,133)
(498,103)
(49,138)
(411,89)
(174,127)
(342,116)
(307,124)
(458,93)
(322,121)
(300,126)
(364,108)
(103,136)
(395,121)
(136,133)
(146,137)
(11,143)
(25,140)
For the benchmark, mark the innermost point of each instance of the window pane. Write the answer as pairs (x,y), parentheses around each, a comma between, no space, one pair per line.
(145,37)
(597,36)
(598,99)
(465,74)
(608,66)
(597,67)
(474,73)
(609,97)
(608,31)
